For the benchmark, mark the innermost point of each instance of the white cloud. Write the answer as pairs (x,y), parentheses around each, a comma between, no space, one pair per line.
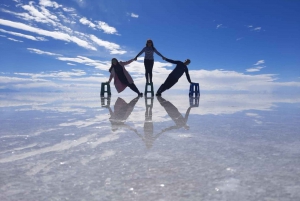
(106,28)
(256,69)
(259,62)
(37,51)
(71,64)
(56,74)
(40,14)
(134,15)
(103,65)
(43,17)
(12,39)
(257,29)
(48,3)
(85,21)
(69,9)
(53,34)
(219,26)
(23,35)
(113,47)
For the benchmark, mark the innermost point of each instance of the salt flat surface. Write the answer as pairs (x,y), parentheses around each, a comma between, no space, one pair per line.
(57,146)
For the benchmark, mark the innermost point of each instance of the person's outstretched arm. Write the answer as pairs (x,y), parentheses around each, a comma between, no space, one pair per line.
(141,52)
(159,54)
(111,75)
(188,75)
(124,63)
(171,61)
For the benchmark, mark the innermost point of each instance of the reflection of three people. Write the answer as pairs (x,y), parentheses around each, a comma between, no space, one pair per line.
(122,111)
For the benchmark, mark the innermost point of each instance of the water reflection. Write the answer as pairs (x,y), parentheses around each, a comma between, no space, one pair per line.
(54,141)
(122,110)
(175,115)
(148,137)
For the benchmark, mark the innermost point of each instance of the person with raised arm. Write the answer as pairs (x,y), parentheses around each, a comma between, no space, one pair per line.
(122,78)
(172,79)
(149,59)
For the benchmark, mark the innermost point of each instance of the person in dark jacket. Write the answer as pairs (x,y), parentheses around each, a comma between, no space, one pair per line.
(181,67)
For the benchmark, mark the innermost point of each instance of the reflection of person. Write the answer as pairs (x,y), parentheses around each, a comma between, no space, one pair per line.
(122,79)
(174,76)
(122,110)
(149,59)
(148,137)
(175,115)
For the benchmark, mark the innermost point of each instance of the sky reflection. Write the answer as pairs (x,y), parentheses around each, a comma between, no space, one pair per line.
(220,146)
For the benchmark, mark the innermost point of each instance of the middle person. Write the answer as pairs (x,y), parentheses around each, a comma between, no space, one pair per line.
(149,59)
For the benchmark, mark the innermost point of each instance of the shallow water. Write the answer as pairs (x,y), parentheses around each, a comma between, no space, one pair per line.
(57,146)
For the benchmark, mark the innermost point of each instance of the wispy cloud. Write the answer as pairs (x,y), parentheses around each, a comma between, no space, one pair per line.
(53,34)
(259,62)
(48,3)
(103,65)
(55,15)
(37,51)
(252,28)
(134,15)
(257,29)
(99,25)
(113,47)
(85,21)
(255,69)
(23,35)
(55,74)
(219,26)
(106,28)
(71,64)
(15,40)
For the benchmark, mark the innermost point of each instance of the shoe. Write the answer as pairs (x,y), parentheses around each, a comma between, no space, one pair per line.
(158,94)
(141,94)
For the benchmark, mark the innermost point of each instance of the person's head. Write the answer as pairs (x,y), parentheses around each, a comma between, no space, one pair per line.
(149,43)
(114,61)
(187,62)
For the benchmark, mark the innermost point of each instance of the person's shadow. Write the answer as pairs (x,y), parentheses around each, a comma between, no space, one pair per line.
(122,111)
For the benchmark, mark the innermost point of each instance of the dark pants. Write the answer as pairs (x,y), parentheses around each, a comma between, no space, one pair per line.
(148,67)
(170,82)
(134,88)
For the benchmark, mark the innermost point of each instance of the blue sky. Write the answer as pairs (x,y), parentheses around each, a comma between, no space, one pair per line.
(67,45)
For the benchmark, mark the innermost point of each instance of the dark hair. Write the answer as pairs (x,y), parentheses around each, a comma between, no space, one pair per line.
(112,64)
(188,60)
(149,40)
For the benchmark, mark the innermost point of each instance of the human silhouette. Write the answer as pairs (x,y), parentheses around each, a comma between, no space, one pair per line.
(122,79)
(122,111)
(175,115)
(172,79)
(148,137)
(149,59)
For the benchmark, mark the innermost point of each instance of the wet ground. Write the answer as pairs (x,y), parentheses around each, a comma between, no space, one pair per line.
(57,146)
